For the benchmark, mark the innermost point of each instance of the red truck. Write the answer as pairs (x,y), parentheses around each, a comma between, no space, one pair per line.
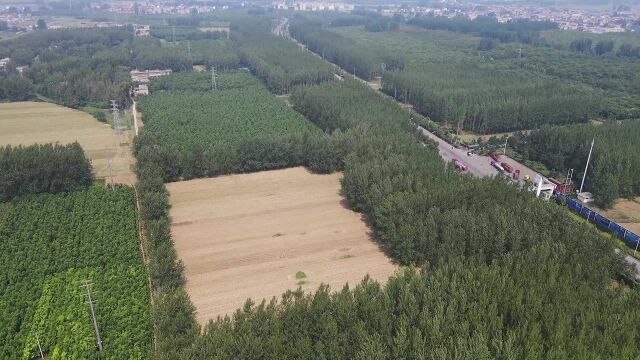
(561,187)
(459,165)
(494,156)
(507,167)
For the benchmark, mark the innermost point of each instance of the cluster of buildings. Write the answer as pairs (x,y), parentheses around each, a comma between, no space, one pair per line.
(6,62)
(595,21)
(153,8)
(17,20)
(22,20)
(142,77)
(582,19)
(313,6)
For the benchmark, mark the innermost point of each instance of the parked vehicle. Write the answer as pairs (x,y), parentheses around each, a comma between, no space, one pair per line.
(497,166)
(459,165)
(494,156)
(507,167)
(562,187)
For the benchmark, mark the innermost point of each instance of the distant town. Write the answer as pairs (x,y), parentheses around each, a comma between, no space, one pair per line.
(615,19)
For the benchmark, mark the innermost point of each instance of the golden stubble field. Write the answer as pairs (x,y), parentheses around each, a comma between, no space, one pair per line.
(625,212)
(247,236)
(27,123)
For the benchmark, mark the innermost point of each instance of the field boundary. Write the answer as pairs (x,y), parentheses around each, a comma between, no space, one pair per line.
(145,260)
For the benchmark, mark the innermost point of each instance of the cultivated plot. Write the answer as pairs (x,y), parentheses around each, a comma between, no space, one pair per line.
(257,235)
(27,123)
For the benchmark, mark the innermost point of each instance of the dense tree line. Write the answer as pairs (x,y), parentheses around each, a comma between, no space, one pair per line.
(282,64)
(173,315)
(179,33)
(74,67)
(84,67)
(485,101)
(222,54)
(521,30)
(15,87)
(613,172)
(345,52)
(444,81)
(51,243)
(43,168)
(622,45)
(279,63)
(586,45)
(617,76)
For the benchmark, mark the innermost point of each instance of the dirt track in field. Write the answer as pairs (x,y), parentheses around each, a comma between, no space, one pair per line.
(27,123)
(246,236)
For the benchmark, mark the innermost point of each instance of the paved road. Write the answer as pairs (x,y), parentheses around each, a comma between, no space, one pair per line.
(479,166)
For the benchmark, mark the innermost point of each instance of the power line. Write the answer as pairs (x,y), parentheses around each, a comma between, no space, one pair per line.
(87,286)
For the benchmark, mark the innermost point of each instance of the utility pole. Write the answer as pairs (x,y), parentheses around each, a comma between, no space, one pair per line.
(587,166)
(173,30)
(504,152)
(189,49)
(39,346)
(214,82)
(87,285)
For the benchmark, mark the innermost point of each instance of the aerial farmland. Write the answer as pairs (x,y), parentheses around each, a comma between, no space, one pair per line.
(258,235)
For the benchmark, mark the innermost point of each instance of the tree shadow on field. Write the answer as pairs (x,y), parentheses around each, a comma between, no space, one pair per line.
(372,236)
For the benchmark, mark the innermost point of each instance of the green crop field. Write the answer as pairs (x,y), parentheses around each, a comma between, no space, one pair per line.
(227,116)
(50,244)
(212,132)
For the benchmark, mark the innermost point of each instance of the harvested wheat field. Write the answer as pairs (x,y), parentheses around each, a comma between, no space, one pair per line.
(248,236)
(27,123)
(625,212)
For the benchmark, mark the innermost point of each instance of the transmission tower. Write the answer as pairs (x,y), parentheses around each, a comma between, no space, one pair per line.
(567,181)
(117,123)
(214,82)
(87,285)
